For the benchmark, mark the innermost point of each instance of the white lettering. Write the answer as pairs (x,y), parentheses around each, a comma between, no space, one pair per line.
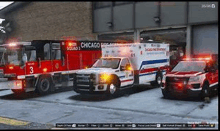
(90,45)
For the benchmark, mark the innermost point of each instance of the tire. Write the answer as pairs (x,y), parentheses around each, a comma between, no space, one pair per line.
(18,91)
(158,80)
(44,85)
(165,94)
(205,91)
(113,88)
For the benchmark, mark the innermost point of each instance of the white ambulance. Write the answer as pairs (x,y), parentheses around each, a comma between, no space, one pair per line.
(124,65)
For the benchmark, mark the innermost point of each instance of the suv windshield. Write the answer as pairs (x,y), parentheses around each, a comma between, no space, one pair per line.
(190,66)
(107,63)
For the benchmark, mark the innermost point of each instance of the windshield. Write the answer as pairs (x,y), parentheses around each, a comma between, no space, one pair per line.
(190,66)
(13,56)
(16,57)
(107,63)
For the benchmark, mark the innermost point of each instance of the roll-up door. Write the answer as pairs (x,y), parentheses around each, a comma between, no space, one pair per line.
(205,39)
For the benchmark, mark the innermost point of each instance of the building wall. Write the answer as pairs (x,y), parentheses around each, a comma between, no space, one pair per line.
(53,20)
(140,15)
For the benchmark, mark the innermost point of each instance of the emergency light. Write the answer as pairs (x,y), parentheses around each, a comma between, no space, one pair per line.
(200,59)
(12,44)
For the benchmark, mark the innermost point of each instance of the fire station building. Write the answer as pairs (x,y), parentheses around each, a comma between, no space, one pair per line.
(190,25)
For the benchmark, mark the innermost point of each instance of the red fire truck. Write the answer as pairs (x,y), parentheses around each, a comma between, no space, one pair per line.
(197,76)
(43,65)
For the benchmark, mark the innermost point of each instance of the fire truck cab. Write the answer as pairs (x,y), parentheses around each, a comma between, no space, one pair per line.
(195,77)
(42,65)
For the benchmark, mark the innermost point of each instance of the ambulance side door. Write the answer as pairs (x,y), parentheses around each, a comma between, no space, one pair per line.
(126,76)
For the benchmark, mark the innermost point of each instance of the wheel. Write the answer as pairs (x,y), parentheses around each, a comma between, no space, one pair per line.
(113,88)
(158,80)
(165,93)
(44,85)
(205,91)
(18,91)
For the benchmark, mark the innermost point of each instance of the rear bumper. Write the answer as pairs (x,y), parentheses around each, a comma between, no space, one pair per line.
(13,84)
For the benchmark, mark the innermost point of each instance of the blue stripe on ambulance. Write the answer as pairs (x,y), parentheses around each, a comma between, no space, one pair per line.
(153,62)
(124,76)
(150,73)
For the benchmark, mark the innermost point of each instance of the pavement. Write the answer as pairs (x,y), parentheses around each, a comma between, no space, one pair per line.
(66,106)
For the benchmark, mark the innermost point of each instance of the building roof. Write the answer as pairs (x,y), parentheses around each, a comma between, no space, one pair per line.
(11,7)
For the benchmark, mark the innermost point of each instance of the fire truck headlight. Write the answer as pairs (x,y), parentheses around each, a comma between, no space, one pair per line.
(194,79)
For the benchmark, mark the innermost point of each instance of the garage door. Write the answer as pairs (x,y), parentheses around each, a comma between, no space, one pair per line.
(205,39)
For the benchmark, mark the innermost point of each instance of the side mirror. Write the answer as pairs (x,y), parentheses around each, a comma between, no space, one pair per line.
(122,68)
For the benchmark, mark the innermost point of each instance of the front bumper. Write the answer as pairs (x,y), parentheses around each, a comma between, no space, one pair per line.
(184,92)
(13,84)
(90,89)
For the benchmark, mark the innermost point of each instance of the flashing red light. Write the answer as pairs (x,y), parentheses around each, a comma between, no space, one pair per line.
(45,70)
(70,44)
(199,58)
(11,67)
(187,59)
(180,86)
(208,58)
(12,44)
(18,84)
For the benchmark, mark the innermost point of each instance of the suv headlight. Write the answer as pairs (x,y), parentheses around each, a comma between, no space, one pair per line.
(194,79)
(103,78)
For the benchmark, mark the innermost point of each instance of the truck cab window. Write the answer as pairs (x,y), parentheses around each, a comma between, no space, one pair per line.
(47,51)
(31,55)
(124,62)
(56,51)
